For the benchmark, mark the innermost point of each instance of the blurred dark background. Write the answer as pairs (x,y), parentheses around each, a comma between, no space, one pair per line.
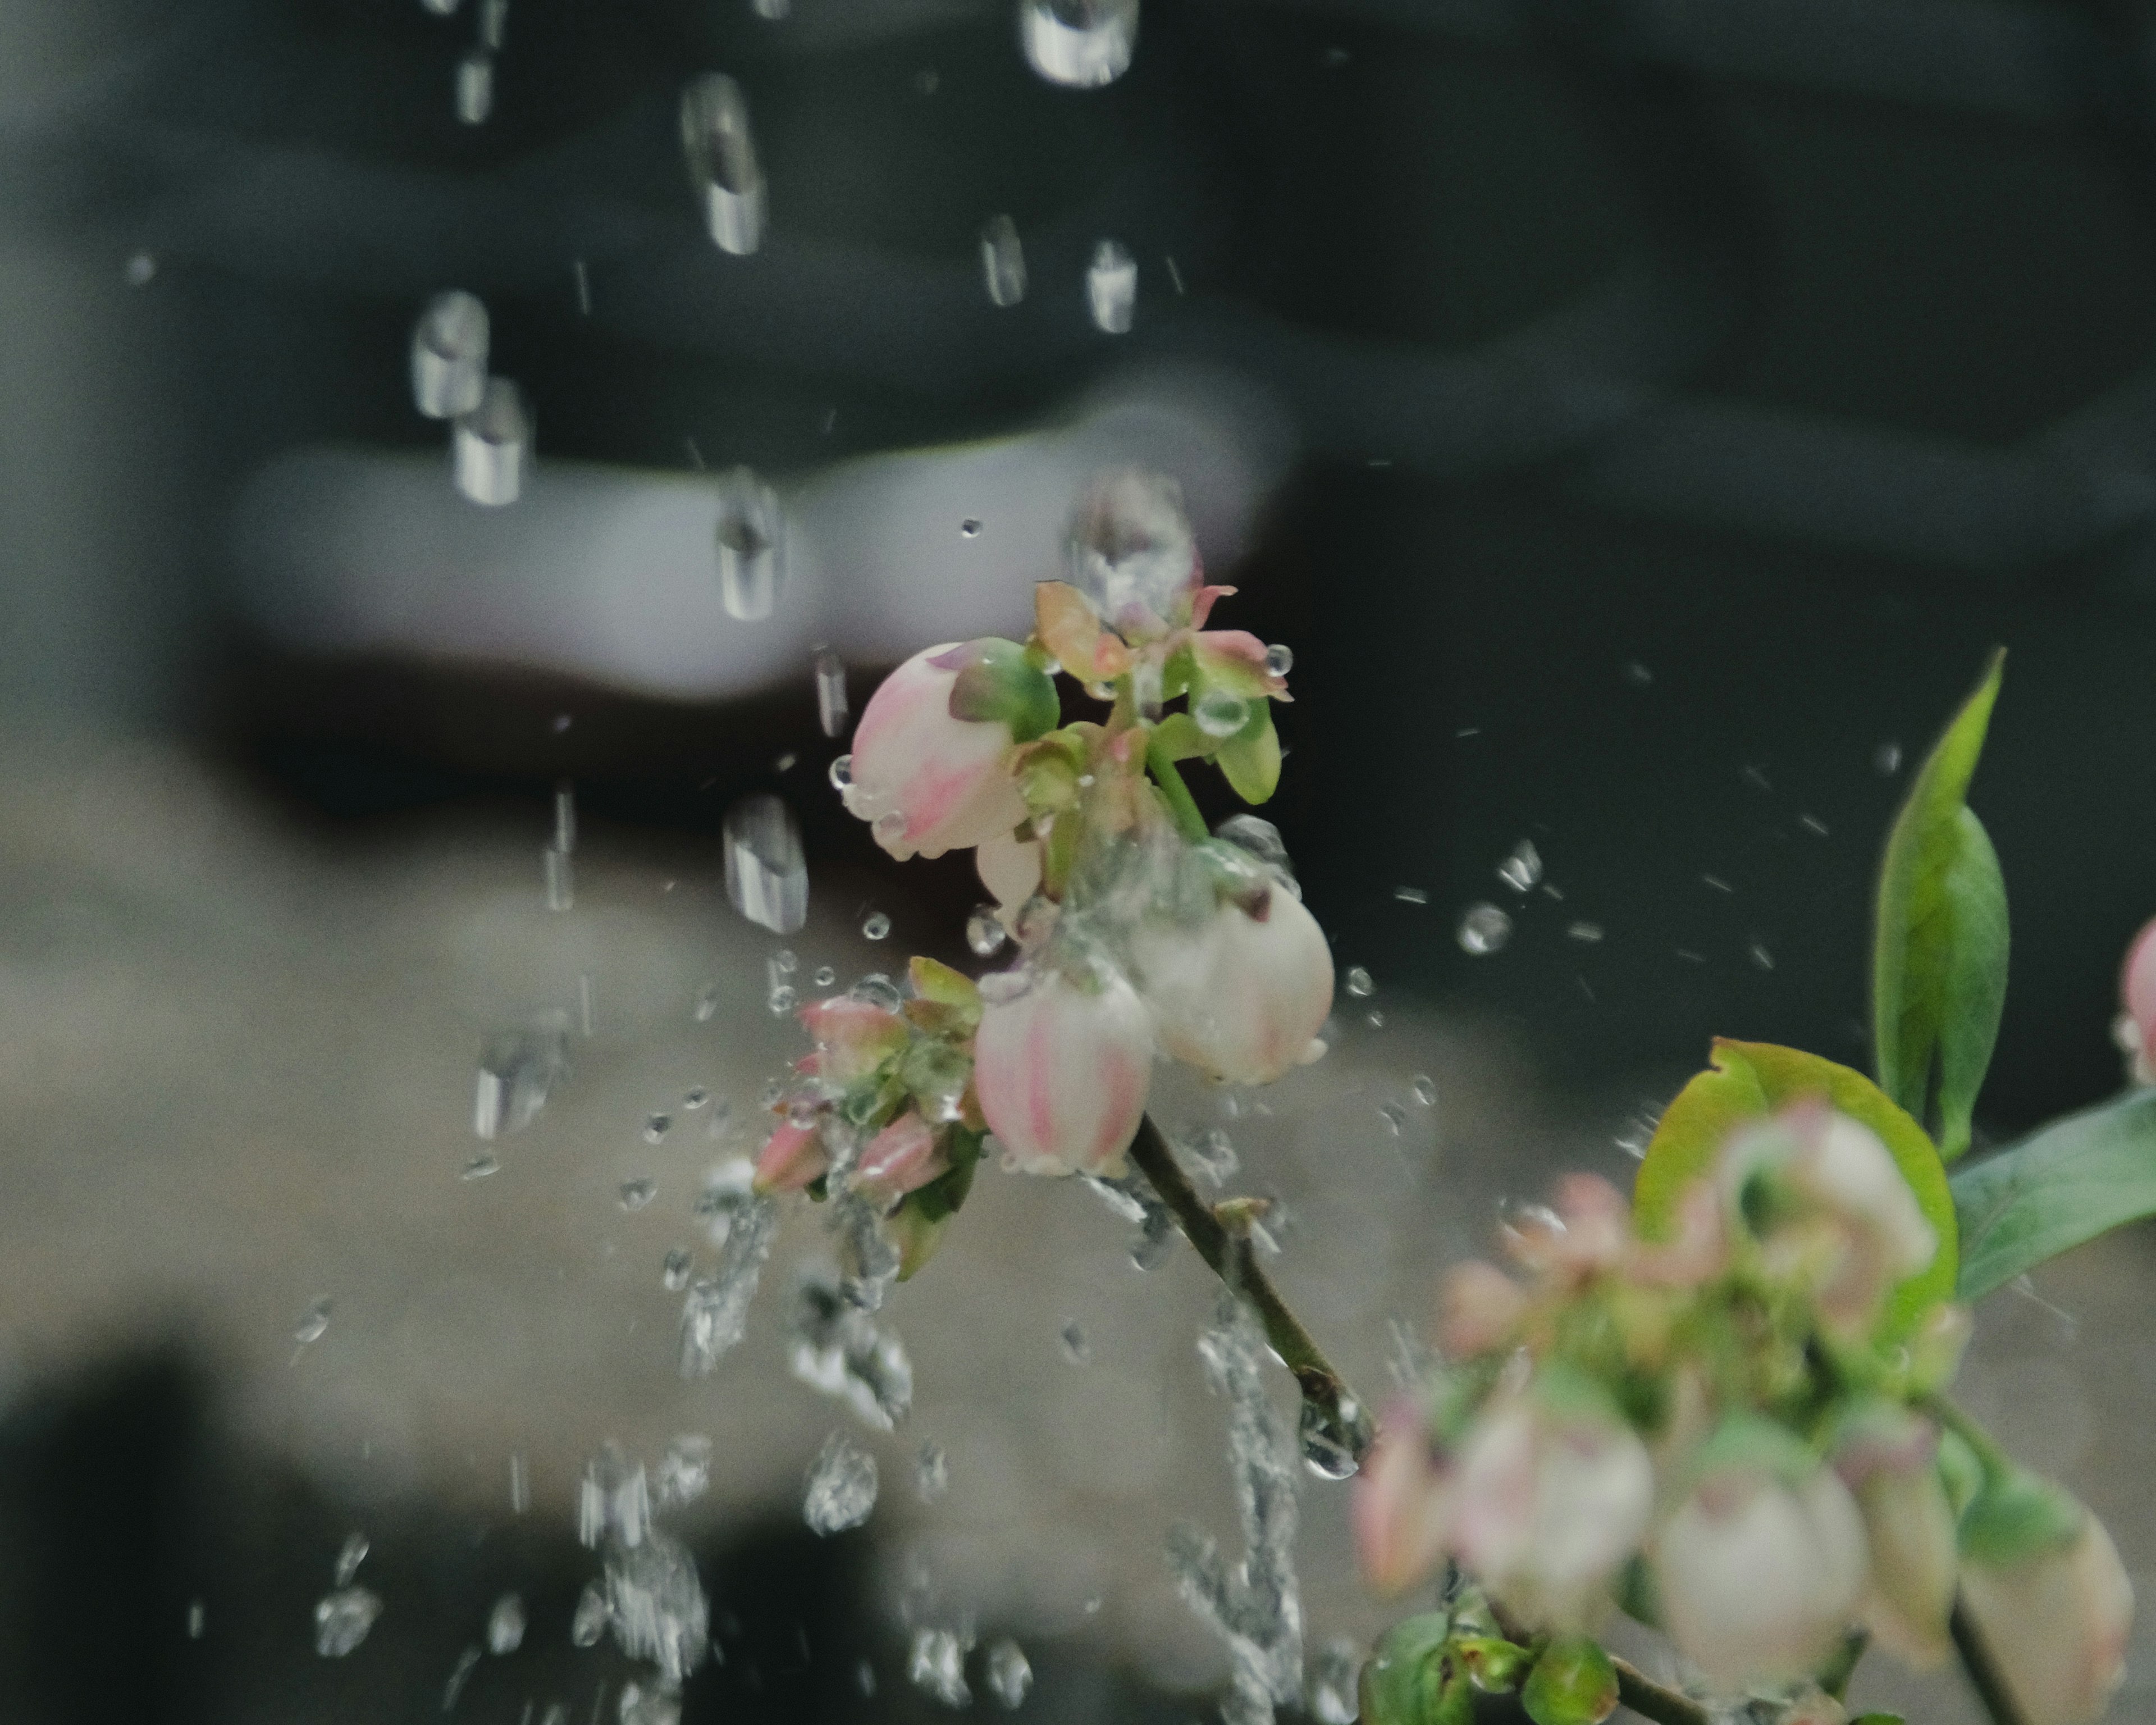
(1685,398)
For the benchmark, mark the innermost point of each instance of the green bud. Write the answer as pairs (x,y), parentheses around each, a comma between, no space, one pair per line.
(1402,1682)
(1493,1665)
(1573,1683)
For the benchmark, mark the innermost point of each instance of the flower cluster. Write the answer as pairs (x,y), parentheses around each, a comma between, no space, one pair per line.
(1731,1426)
(1138,931)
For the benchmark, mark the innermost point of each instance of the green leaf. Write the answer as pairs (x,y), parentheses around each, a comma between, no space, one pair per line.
(998,681)
(1939,946)
(1573,1683)
(1403,1683)
(1749,1080)
(2076,1178)
(1251,758)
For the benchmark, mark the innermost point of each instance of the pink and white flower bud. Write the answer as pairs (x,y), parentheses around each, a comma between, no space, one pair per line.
(2056,1625)
(853,1038)
(1887,1459)
(1549,1501)
(902,1158)
(1759,1576)
(1242,996)
(1062,1070)
(2137,994)
(925,781)
(1398,1506)
(791,1157)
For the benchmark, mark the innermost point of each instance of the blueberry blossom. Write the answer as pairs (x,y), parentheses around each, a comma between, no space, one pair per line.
(932,763)
(1062,1066)
(2057,1620)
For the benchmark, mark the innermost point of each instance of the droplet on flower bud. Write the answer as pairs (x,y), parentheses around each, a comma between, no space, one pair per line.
(842,772)
(1330,1433)
(1483,930)
(1220,714)
(1279,659)
(984,933)
(877,989)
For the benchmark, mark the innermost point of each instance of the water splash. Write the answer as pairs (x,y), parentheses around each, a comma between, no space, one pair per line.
(841,1487)
(837,1349)
(715,1315)
(1081,44)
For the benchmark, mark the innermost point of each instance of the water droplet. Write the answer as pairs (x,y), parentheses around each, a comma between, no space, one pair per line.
(888,826)
(766,874)
(842,773)
(1484,929)
(1395,1116)
(448,355)
(635,1194)
(198,1619)
(1813,824)
(505,1625)
(1082,43)
(342,1619)
(825,976)
(875,925)
(842,1487)
(984,931)
(1129,547)
(932,1472)
(1426,1090)
(560,878)
(488,442)
(784,962)
(865,1678)
(657,1127)
(1761,956)
(1375,1020)
(349,1556)
(475,87)
(1220,714)
(685,1471)
(493,23)
(1886,759)
(1359,984)
(1212,1155)
(520,1484)
(1111,287)
(1590,932)
(969,528)
(707,1003)
(936,1665)
(721,152)
(141,269)
(831,710)
(440,8)
(878,989)
(1523,869)
(1335,1675)
(310,1328)
(518,1071)
(1330,1432)
(480,1167)
(674,1271)
(694,1098)
(1411,895)
(589,1621)
(782,1000)
(1637,675)
(1003,260)
(1076,1347)
(750,533)
(1007,1673)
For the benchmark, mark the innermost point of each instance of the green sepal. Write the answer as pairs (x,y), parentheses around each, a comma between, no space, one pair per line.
(2014,1516)
(1961,1471)
(875,1101)
(1402,1682)
(1749,1080)
(1637,1596)
(1940,937)
(939,983)
(1250,759)
(943,1197)
(918,1236)
(997,682)
(1573,1683)
(1179,735)
(1178,672)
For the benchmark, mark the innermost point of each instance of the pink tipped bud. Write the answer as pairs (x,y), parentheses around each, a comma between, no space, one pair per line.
(1398,1504)
(1061,1072)
(853,1037)
(903,1155)
(1241,997)
(2057,1623)
(792,1157)
(926,781)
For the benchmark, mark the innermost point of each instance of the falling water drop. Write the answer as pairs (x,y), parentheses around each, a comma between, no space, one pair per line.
(932,1472)
(1359,984)
(831,710)
(984,931)
(1426,1090)
(1111,287)
(842,1487)
(448,355)
(969,528)
(311,1328)
(722,165)
(1332,1432)
(875,925)
(342,1619)
(1003,260)
(1886,759)
(1082,43)
(493,23)
(1334,1677)
(751,535)
(1484,929)
(656,1126)
(349,1556)
(1077,1349)
(560,877)
(489,444)
(1009,1673)
(1523,869)
(766,874)
(636,1194)
(505,1625)
(475,87)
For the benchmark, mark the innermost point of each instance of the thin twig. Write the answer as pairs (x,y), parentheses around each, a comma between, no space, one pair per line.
(1651,1700)
(1984,1676)
(1228,1251)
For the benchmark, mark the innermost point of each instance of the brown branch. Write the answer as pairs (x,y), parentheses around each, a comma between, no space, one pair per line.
(1984,1676)
(1228,1250)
